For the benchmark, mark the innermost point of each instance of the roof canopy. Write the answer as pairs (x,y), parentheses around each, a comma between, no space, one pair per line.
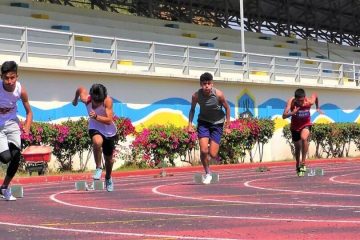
(336,21)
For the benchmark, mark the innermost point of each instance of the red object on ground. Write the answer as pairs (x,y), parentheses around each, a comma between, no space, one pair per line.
(37,154)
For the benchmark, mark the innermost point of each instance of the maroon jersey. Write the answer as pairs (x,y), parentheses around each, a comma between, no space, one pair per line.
(302,118)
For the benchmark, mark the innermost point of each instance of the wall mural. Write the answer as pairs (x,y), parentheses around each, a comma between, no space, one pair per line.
(176,110)
(170,110)
(245,105)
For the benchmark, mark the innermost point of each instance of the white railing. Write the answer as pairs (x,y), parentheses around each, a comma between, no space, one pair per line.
(27,43)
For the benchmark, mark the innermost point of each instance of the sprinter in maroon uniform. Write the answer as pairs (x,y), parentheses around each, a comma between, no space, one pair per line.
(298,108)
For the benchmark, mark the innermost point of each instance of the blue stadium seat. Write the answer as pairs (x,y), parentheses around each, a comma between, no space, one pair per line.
(206,44)
(20,4)
(295,54)
(172,25)
(238,63)
(99,50)
(61,27)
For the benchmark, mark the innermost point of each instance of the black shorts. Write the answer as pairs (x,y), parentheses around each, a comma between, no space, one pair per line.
(296,135)
(108,145)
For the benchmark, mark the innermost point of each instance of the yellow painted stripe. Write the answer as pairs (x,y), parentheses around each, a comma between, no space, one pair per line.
(259,73)
(304,49)
(118,221)
(280,45)
(226,54)
(40,16)
(163,118)
(309,62)
(189,35)
(125,62)
(83,39)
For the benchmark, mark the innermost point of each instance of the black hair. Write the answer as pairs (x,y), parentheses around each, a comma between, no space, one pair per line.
(206,77)
(98,92)
(9,66)
(299,93)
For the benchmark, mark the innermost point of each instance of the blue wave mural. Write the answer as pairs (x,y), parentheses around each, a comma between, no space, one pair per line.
(337,114)
(275,106)
(267,109)
(120,109)
(271,107)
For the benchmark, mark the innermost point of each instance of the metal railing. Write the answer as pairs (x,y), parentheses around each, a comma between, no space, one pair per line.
(28,42)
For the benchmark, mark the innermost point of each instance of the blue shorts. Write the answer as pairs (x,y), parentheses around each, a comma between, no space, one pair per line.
(210,130)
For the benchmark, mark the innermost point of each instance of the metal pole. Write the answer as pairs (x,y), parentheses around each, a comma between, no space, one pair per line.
(242,25)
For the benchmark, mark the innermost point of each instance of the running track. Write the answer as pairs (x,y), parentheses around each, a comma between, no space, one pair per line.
(244,205)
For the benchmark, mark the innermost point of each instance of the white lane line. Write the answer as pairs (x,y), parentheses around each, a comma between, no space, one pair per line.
(53,198)
(110,233)
(156,191)
(249,185)
(332,179)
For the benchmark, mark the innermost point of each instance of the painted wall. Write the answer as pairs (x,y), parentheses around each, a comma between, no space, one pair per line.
(147,100)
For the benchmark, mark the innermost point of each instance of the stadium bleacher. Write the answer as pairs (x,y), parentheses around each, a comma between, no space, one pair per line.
(94,31)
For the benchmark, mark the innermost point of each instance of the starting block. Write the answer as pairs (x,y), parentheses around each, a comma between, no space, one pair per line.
(17,191)
(315,172)
(85,186)
(262,169)
(198,178)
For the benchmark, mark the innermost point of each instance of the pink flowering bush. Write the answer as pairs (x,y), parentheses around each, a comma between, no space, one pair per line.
(40,134)
(68,138)
(163,142)
(245,135)
(242,137)
(64,144)
(124,128)
(232,145)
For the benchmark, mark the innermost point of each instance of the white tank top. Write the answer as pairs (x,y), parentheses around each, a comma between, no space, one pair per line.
(8,107)
(104,129)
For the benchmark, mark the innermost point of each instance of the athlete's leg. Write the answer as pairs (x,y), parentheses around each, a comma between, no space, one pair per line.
(12,146)
(97,142)
(204,153)
(109,162)
(297,145)
(305,133)
(296,138)
(108,151)
(13,166)
(203,130)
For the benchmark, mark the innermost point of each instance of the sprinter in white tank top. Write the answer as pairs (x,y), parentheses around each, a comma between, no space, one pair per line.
(10,134)
(102,129)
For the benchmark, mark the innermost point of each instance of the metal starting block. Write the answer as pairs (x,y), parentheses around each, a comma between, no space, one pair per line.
(17,191)
(311,172)
(198,178)
(85,186)
(262,169)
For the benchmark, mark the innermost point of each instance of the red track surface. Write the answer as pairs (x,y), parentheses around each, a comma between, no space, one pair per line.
(244,205)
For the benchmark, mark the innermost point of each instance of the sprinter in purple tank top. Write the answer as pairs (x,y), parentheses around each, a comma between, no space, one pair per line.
(102,129)
(211,120)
